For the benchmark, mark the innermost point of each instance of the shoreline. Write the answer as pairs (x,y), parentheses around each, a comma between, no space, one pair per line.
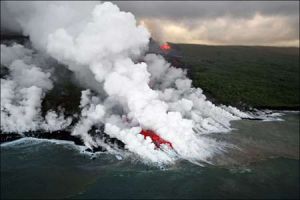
(65,135)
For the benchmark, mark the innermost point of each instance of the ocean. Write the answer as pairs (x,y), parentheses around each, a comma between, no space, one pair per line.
(262,163)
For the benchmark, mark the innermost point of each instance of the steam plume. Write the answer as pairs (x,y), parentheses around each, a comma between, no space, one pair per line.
(98,42)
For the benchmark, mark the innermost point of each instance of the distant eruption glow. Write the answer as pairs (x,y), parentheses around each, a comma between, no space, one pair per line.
(165,47)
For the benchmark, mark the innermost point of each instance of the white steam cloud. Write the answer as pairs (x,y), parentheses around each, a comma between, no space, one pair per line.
(22,93)
(100,43)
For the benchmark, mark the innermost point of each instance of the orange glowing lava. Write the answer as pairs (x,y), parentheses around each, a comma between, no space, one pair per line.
(156,139)
(165,47)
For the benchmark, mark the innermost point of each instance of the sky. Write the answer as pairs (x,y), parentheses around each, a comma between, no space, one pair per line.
(270,23)
(274,23)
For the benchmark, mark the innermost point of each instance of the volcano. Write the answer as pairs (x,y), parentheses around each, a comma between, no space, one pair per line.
(113,75)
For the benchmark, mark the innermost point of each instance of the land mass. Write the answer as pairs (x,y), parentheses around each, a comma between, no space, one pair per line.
(245,76)
(242,76)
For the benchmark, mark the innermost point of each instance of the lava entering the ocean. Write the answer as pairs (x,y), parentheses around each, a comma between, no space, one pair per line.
(157,140)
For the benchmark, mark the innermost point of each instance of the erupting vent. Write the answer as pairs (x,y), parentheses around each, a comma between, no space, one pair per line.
(165,47)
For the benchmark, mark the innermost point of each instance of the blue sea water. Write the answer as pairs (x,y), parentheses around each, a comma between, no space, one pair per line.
(266,165)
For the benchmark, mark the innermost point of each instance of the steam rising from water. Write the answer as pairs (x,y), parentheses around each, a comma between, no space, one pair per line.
(100,43)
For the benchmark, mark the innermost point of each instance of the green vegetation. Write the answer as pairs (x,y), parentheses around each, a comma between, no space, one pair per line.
(261,77)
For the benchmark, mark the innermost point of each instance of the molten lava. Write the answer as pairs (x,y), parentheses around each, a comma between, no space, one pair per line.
(165,47)
(156,139)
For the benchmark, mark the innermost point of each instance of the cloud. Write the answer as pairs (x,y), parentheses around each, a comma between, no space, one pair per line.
(225,23)
(258,30)
(207,9)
